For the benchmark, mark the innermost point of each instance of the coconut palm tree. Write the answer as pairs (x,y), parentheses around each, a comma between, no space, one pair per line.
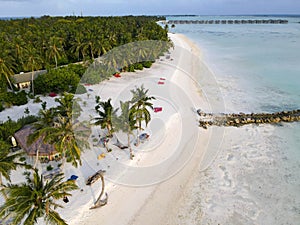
(58,128)
(106,115)
(8,161)
(99,201)
(55,49)
(126,123)
(6,69)
(68,106)
(46,117)
(27,202)
(32,62)
(139,110)
(69,139)
(77,46)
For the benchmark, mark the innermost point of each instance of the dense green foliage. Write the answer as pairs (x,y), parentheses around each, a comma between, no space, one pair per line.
(14,98)
(63,79)
(38,43)
(32,44)
(8,128)
(35,198)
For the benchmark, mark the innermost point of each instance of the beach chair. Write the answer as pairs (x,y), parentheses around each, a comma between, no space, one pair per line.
(157,109)
(160,82)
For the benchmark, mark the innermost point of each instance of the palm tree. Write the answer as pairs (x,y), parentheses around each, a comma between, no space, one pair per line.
(8,162)
(55,49)
(68,136)
(46,117)
(32,62)
(69,139)
(6,69)
(77,46)
(35,199)
(99,201)
(68,106)
(105,115)
(126,123)
(139,110)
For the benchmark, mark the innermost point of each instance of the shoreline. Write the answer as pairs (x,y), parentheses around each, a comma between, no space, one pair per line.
(138,205)
(173,154)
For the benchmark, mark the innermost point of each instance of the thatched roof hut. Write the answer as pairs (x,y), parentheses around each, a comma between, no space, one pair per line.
(44,148)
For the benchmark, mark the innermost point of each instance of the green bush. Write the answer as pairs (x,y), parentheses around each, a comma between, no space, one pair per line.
(25,120)
(57,80)
(147,64)
(49,168)
(22,159)
(19,98)
(37,99)
(131,68)
(1,107)
(138,66)
(79,69)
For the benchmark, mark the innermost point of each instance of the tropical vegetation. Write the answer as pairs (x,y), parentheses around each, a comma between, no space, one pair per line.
(36,198)
(133,114)
(31,44)
(140,108)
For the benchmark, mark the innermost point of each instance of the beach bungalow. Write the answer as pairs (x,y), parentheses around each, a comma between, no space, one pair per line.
(46,152)
(23,80)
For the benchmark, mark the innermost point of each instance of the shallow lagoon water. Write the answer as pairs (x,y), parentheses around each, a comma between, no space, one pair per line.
(255,178)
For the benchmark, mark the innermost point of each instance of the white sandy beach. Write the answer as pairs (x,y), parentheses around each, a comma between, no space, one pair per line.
(148,189)
(173,132)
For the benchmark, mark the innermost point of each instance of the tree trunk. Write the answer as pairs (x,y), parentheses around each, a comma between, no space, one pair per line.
(1,188)
(55,61)
(36,158)
(109,130)
(130,149)
(32,85)
(9,83)
(101,202)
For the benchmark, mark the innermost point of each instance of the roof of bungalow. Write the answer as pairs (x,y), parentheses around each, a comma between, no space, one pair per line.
(26,77)
(44,148)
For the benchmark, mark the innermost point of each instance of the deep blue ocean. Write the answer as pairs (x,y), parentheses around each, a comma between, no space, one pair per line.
(257,68)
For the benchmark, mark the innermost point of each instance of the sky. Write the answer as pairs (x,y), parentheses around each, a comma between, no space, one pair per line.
(25,8)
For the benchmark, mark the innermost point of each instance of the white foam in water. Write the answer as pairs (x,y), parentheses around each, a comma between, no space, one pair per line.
(255,178)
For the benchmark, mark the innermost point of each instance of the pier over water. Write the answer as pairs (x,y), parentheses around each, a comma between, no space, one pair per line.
(270,21)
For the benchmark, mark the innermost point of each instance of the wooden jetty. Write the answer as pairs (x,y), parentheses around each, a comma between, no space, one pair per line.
(270,21)
(240,119)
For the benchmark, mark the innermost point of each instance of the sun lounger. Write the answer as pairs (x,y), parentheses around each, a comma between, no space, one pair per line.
(52,173)
(157,109)
(143,137)
(160,82)
(120,145)
(52,94)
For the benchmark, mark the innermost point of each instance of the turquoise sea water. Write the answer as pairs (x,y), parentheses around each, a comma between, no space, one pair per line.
(257,68)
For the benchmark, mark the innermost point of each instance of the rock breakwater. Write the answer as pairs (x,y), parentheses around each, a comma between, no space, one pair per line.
(240,119)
